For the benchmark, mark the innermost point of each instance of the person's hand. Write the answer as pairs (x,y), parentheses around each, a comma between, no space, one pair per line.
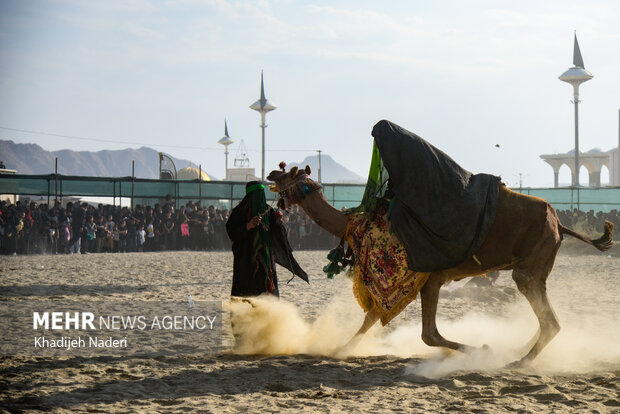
(254,221)
(279,215)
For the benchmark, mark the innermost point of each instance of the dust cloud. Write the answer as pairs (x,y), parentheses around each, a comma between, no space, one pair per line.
(587,341)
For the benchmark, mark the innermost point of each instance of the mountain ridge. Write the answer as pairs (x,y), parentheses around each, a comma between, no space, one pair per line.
(33,159)
(331,171)
(28,158)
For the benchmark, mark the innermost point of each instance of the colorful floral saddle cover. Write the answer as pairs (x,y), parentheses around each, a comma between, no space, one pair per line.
(381,275)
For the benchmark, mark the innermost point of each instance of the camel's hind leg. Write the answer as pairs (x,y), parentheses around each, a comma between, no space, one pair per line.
(430,335)
(531,278)
(535,291)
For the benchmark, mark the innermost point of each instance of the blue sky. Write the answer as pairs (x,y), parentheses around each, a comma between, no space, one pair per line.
(465,75)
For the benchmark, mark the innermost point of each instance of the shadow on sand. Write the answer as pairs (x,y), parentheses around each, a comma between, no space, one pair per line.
(194,376)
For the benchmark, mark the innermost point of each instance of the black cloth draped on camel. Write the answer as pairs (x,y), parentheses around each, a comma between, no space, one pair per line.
(251,278)
(440,212)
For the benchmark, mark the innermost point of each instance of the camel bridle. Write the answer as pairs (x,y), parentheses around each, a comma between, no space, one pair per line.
(296,190)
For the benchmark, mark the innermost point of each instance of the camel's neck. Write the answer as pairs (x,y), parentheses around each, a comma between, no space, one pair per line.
(320,211)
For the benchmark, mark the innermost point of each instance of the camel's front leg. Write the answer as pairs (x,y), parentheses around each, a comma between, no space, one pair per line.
(372,316)
(430,335)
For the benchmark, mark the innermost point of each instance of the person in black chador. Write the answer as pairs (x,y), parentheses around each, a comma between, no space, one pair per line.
(259,241)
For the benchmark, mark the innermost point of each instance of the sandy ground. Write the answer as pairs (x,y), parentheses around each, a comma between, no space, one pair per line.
(285,360)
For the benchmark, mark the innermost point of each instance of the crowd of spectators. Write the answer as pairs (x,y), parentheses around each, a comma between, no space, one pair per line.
(589,222)
(84,228)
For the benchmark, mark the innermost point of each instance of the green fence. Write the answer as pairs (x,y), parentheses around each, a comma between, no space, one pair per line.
(223,194)
(226,194)
(602,199)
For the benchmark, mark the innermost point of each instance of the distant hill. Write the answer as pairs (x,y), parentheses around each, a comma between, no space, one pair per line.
(331,171)
(32,159)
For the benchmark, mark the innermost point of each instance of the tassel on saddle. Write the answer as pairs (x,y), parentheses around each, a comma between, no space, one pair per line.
(339,259)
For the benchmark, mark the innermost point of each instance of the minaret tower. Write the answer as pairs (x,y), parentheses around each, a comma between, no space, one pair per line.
(576,76)
(262,106)
(225,141)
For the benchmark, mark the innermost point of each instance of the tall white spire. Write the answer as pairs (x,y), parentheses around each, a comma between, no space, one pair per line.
(262,106)
(225,141)
(576,76)
(577,59)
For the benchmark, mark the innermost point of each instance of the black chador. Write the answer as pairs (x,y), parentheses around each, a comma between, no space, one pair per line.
(259,241)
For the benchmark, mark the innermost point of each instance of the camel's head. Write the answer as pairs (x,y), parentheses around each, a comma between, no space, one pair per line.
(282,178)
(293,185)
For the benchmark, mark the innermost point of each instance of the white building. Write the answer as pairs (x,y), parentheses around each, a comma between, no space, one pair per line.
(241,174)
(593,160)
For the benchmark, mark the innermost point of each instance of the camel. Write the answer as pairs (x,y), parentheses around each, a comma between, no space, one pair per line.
(525,238)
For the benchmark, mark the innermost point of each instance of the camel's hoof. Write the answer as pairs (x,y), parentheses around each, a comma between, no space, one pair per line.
(470,350)
(484,351)
(346,350)
(342,352)
(514,365)
(522,363)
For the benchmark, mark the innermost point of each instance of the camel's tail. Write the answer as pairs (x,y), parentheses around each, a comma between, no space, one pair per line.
(603,243)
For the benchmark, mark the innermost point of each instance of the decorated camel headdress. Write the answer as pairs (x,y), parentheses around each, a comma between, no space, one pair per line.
(293,186)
